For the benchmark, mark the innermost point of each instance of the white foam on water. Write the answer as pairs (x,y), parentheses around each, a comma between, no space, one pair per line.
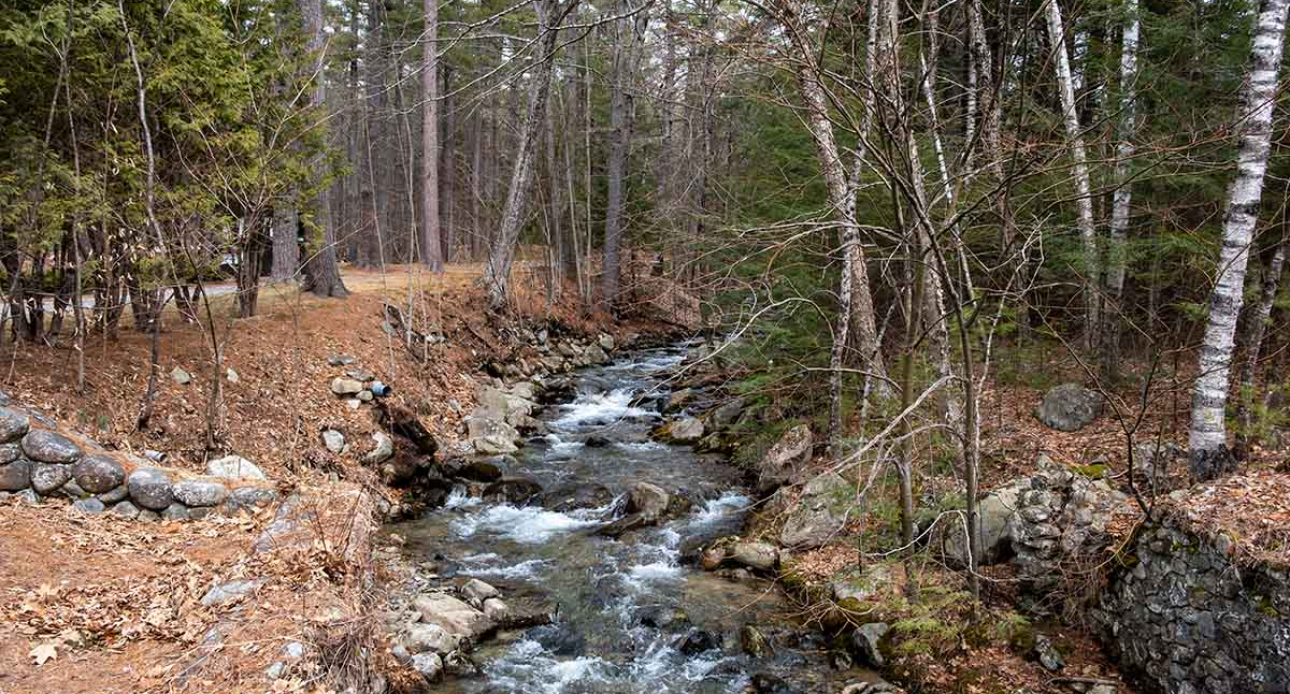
(526,525)
(459,498)
(654,572)
(716,509)
(528,667)
(641,445)
(600,407)
(524,569)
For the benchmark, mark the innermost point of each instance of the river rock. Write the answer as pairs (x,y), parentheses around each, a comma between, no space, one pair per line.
(430,638)
(649,500)
(761,556)
(455,616)
(200,493)
(382,451)
(1070,407)
(753,642)
(333,440)
(513,489)
(45,446)
(785,458)
(476,591)
(234,467)
(46,477)
(496,610)
(97,474)
(13,424)
(343,387)
(91,507)
(475,469)
(698,641)
(248,498)
(429,665)
(683,430)
(491,436)
(9,452)
(15,476)
(574,497)
(865,640)
(819,514)
(151,488)
(180,376)
(178,512)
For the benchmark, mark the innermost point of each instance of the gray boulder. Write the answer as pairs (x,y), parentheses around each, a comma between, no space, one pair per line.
(651,501)
(46,477)
(453,615)
(1070,407)
(200,492)
(382,451)
(13,424)
(785,458)
(177,512)
(429,665)
(819,514)
(225,593)
(97,474)
(333,440)
(9,452)
(429,638)
(866,641)
(180,376)
(45,446)
(113,495)
(761,556)
(995,511)
(683,430)
(126,509)
(234,467)
(151,488)
(476,591)
(249,498)
(15,476)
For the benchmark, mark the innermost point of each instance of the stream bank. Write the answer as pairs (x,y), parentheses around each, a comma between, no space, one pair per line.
(567,565)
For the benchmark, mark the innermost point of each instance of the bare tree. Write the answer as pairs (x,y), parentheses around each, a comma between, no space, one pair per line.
(1116,260)
(322,273)
(431,241)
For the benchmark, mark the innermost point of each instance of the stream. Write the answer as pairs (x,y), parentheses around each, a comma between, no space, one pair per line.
(629,616)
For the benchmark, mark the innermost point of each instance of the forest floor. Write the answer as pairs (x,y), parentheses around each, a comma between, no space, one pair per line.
(103,604)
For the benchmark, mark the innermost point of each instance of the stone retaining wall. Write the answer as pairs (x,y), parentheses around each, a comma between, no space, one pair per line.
(39,462)
(1190,620)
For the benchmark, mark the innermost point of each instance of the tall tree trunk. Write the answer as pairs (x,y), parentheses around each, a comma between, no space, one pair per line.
(447,161)
(476,188)
(322,274)
(1209,456)
(1116,258)
(431,239)
(1079,169)
(620,108)
(1256,326)
(550,14)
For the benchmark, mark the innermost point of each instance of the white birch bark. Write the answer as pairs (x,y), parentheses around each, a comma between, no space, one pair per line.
(1079,169)
(1208,453)
(1122,198)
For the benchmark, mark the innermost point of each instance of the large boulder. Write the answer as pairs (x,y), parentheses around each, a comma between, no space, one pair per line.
(1070,407)
(491,436)
(682,430)
(46,477)
(575,496)
(234,467)
(454,616)
(515,490)
(649,500)
(382,449)
(995,511)
(45,446)
(98,474)
(151,488)
(13,424)
(200,493)
(819,514)
(762,556)
(783,461)
(15,476)
(430,638)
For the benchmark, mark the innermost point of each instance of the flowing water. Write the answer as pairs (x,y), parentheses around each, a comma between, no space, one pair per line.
(629,616)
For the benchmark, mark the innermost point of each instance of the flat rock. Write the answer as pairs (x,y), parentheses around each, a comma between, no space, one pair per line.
(151,488)
(92,507)
(46,477)
(346,386)
(234,467)
(13,424)
(97,474)
(45,446)
(126,509)
(225,593)
(430,638)
(477,591)
(200,492)
(455,616)
(15,476)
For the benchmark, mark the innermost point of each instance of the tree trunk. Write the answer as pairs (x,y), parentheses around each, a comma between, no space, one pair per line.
(286,245)
(431,239)
(1079,169)
(1116,259)
(1256,326)
(550,14)
(619,109)
(447,162)
(322,274)
(1209,456)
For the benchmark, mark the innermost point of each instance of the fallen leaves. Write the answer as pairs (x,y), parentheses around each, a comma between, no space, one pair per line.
(43,653)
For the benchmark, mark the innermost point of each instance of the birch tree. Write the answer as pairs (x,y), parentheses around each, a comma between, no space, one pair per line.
(1079,169)
(1209,456)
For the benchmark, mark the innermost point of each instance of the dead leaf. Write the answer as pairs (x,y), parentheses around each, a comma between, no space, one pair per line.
(42,653)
